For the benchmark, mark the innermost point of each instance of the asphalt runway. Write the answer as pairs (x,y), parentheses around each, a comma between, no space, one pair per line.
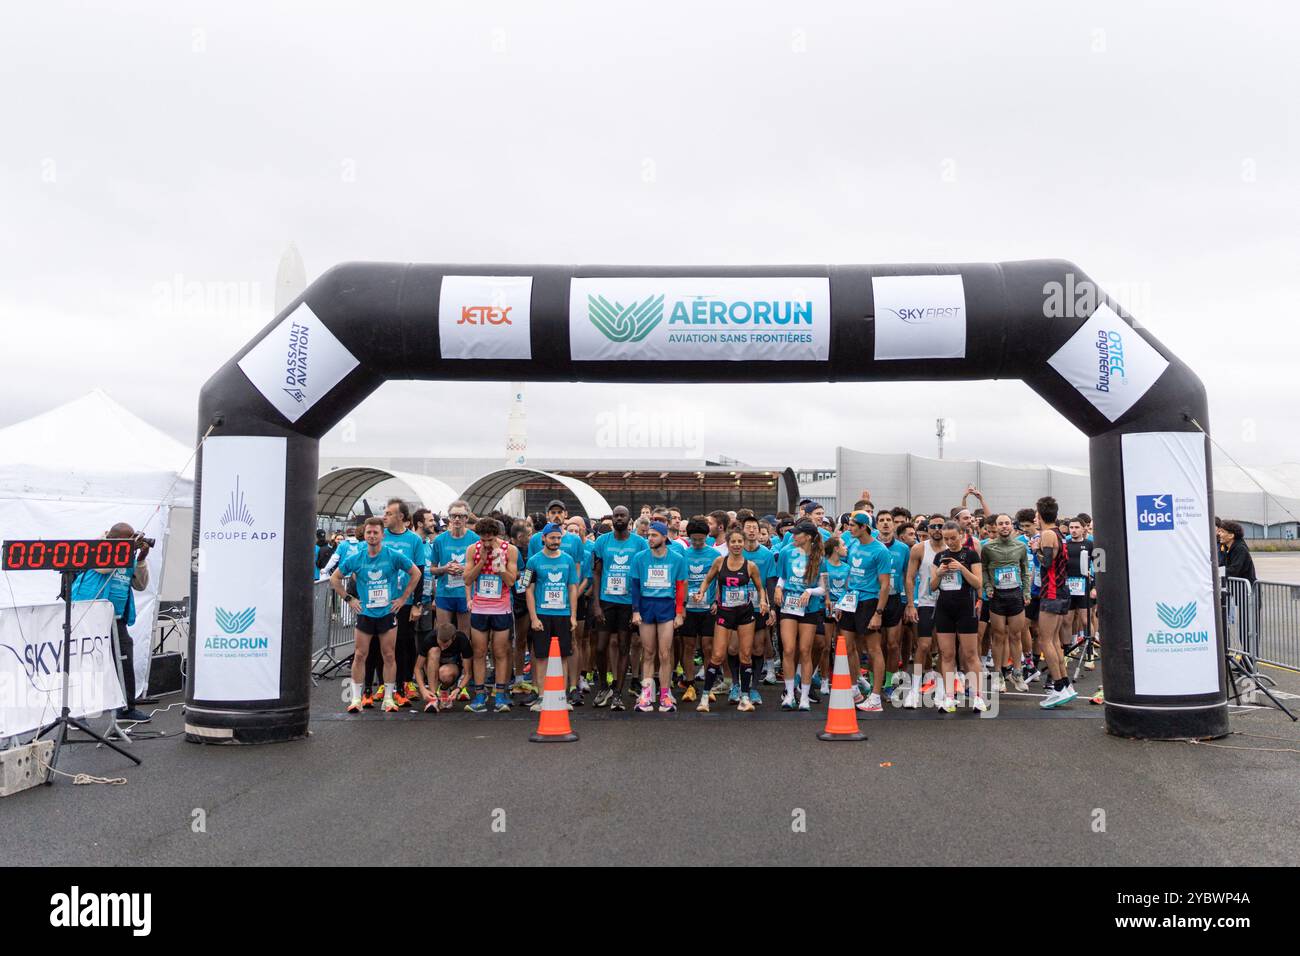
(1028,787)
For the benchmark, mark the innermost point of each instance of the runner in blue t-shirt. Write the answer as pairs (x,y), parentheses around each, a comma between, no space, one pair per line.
(871,578)
(447,564)
(801,597)
(657,581)
(764,636)
(612,605)
(552,597)
(897,603)
(386,579)
(698,625)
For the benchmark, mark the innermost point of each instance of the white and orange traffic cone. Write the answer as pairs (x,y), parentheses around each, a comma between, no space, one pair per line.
(553,728)
(841,717)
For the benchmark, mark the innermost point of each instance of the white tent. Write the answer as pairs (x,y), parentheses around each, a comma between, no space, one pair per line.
(74,472)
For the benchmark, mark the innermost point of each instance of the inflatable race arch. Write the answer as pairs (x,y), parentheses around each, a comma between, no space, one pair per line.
(1042,321)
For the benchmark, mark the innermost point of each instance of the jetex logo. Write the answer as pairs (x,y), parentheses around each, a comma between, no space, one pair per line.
(1155,512)
(236,622)
(630,323)
(484,315)
(1176,617)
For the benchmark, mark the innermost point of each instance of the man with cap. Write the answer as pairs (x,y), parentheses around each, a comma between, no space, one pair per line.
(611,604)
(571,544)
(657,582)
(552,596)
(871,570)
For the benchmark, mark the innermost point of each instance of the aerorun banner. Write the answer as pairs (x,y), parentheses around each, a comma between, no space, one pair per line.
(362,323)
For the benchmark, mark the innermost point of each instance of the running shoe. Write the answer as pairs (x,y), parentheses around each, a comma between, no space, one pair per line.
(479,704)
(814,696)
(501,702)
(999,684)
(529,699)
(400,699)
(1098,698)
(1051,700)
(769,674)
(949,705)
(431,706)
(666,702)
(445,699)
(646,703)
(410,691)
(871,705)
(602,697)
(755,697)
(391,706)
(804,704)
(1090,664)
(616,701)
(1033,677)
(929,681)
(464,693)
(733,695)
(524,687)
(703,706)
(379,692)
(689,693)
(536,707)
(1066,695)
(913,699)
(1018,682)
(745,705)
(864,685)
(977,704)
(787,702)
(367,701)
(902,679)
(355,706)
(584,685)
(858,696)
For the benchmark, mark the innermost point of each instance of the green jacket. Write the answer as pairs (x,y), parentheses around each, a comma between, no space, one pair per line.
(995,554)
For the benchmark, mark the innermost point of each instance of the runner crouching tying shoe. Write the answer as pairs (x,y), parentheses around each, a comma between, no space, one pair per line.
(489,579)
(801,595)
(658,585)
(734,574)
(379,570)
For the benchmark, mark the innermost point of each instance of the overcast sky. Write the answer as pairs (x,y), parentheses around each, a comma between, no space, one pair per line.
(157,157)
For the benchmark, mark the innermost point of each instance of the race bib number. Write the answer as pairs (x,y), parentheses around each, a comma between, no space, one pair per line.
(553,598)
(455,581)
(1038,578)
(489,586)
(615,585)
(378,597)
(848,603)
(792,607)
(656,576)
(951,581)
(1076,586)
(735,597)
(1007,577)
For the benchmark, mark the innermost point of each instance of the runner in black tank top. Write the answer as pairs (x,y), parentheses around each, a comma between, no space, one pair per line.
(733,574)
(1054,604)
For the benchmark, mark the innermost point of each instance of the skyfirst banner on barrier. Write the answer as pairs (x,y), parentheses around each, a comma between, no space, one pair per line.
(238,614)
(680,319)
(1171,564)
(919,316)
(31,664)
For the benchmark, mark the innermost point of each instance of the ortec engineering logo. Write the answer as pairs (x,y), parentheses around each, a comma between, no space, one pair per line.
(1176,617)
(1155,512)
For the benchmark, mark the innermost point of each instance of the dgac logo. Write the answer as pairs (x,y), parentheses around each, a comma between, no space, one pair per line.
(926,315)
(1155,512)
(237,511)
(620,323)
(1110,359)
(484,315)
(236,622)
(295,374)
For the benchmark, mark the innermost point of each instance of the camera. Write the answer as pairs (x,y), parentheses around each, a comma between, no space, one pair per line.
(148,542)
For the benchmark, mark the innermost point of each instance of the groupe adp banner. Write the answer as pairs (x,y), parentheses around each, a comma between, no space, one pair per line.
(31,664)
(919,316)
(237,616)
(485,317)
(1171,564)
(297,363)
(681,319)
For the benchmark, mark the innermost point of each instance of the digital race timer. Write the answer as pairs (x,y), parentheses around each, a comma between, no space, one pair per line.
(70,554)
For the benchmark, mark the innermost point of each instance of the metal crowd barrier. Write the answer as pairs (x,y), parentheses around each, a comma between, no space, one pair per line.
(1263,619)
(331,629)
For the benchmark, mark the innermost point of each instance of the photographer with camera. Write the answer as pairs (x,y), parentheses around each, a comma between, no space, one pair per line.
(117,586)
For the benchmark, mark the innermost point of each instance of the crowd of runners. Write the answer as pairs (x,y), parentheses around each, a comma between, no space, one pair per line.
(659,609)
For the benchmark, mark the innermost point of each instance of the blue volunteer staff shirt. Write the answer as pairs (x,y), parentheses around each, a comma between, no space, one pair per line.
(900,553)
(114,586)
(446,549)
(866,563)
(615,559)
(698,562)
(653,576)
(793,565)
(571,544)
(380,579)
(410,546)
(550,583)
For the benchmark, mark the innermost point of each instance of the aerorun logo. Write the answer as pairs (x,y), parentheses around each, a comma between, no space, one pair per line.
(630,323)
(236,622)
(1155,512)
(237,511)
(1176,618)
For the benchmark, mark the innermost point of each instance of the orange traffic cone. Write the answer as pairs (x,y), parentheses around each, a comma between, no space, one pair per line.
(841,717)
(554,728)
